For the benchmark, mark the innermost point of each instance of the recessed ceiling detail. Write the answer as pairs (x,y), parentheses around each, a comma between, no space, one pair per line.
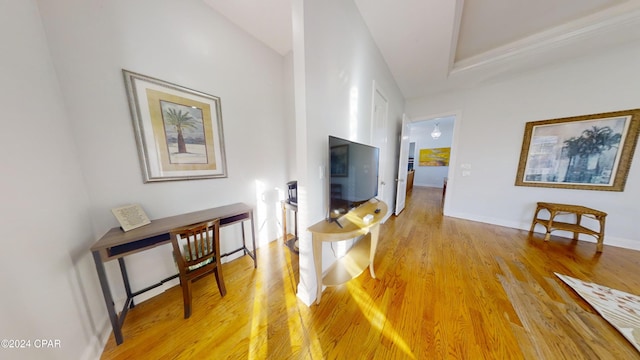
(489,24)
(436,45)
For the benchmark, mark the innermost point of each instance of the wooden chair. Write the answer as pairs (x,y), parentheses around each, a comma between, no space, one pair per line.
(196,249)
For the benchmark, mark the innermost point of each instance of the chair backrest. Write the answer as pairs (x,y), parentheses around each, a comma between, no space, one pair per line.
(197,244)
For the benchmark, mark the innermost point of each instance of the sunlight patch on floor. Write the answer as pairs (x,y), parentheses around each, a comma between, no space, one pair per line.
(296,318)
(257,340)
(377,319)
(294,322)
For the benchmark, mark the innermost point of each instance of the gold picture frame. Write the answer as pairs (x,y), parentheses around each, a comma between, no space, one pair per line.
(178,130)
(589,152)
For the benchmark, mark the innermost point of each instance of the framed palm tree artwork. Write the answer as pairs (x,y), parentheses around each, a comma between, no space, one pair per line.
(178,130)
(590,152)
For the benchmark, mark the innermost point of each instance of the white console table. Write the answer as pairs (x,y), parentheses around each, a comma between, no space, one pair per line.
(359,256)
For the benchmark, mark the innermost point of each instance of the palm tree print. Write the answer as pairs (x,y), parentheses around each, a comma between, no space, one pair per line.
(180,121)
(591,143)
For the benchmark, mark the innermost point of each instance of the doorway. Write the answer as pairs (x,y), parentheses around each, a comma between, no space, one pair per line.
(427,171)
(379,134)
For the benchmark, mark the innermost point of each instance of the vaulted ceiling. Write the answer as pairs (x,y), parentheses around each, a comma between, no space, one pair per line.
(436,45)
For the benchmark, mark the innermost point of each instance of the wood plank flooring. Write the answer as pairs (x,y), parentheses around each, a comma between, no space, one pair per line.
(446,289)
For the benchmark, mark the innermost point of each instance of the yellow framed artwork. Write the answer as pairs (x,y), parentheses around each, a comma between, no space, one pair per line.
(434,157)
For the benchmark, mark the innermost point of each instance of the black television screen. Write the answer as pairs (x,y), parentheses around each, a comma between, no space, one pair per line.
(353,173)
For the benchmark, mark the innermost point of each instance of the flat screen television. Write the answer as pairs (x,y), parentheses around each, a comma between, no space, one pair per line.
(353,173)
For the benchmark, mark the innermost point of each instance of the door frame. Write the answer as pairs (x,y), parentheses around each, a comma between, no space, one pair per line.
(384,143)
(403,162)
(453,159)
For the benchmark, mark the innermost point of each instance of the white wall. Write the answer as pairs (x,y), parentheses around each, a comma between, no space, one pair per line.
(70,154)
(49,290)
(490,137)
(341,62)
(290,118)
(186,43)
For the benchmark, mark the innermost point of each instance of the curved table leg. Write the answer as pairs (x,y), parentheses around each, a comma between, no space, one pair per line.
(317,256)
(375,232)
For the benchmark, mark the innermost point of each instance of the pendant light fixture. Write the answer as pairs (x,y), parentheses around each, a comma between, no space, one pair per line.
(435,134)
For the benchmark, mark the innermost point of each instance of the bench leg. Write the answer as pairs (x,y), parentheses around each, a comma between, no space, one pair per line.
(578,219)
(535,218)
(552,214)
(600,245)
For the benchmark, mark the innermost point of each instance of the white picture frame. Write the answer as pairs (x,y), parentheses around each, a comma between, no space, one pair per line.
(178,130)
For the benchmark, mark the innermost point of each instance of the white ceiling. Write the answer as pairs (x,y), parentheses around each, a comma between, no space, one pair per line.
(483,28)
(267,20)
(435,45)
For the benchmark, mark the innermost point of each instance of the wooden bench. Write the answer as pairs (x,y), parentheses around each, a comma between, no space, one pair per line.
(560,209)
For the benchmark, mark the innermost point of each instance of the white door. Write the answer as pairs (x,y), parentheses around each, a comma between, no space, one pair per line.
(403,164)
(379,134)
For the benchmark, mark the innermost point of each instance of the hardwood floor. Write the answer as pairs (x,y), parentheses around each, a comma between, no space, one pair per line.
(446,289)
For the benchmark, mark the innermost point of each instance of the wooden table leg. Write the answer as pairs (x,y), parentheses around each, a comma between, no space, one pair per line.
(375,233)
(253,240)
(284,222)
(295,224)
(535,219)
(317,260)
(552,214)
(578,220)
(108,298)
(600,244)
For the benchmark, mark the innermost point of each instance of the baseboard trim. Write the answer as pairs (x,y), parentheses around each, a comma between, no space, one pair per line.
(93,351)
(609,240)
